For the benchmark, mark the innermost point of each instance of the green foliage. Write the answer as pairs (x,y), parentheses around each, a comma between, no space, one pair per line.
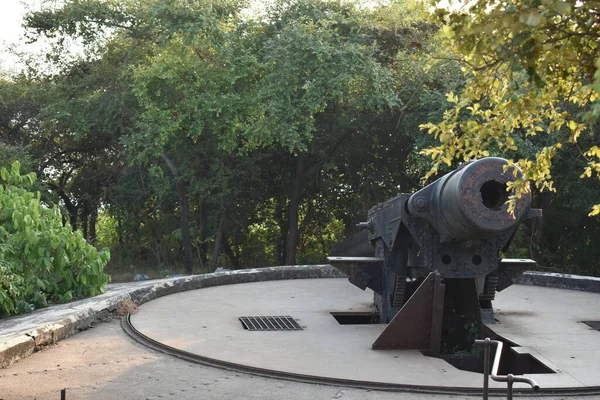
(41,260)
(293,120)
(106,230)
(313,58)
(10,154)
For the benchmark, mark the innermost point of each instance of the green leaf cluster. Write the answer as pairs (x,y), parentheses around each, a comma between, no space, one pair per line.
(41,259)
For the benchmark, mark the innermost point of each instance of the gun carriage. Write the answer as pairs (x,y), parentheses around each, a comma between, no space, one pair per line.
(433,257)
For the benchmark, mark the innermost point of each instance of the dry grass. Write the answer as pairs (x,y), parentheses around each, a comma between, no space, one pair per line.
(126,307)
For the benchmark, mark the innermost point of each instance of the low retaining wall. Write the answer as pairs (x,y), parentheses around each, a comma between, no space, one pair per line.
(22,335)
(560,281)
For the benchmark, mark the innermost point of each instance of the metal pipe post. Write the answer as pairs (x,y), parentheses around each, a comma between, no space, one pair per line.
(486,366)
(509,386)
(510,378)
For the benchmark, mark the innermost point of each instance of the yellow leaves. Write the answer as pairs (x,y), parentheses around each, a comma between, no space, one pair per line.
(562,7)
(531,18)
(593,165)
(488,29)
(594,151)
(595,210)
(474,109)
(472,126)
(525,79)
(587,173)
(451,98)
(446,32)
(542,38)
(539,172)
(590,169)
(524,164)
(518,188)
(576,130)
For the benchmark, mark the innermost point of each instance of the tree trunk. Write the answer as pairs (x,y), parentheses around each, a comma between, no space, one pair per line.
(203,234)
(233,258)
(85,212)
(182,190)
(283,230)
(310,212)
(218,240)
(296,197)
(120,231)
(185,226)
(72,209)
(93,220)
(537,225)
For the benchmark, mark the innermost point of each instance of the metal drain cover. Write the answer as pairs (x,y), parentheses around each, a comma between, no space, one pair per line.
(593,324)
(264,323)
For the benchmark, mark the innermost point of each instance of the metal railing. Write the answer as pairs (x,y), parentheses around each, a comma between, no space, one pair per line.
(510,379)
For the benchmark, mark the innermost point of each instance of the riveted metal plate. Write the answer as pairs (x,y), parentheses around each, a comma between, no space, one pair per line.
(418,324)
(270,323)
(593,324)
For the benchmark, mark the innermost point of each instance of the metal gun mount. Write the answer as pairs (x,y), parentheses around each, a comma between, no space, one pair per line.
(432,257)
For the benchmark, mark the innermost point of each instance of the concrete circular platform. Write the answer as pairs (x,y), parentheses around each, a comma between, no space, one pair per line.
(544,322)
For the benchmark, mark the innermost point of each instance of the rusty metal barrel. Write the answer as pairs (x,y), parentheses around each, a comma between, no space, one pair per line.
(470,202)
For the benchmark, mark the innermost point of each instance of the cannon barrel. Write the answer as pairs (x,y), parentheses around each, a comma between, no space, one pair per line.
(470,202)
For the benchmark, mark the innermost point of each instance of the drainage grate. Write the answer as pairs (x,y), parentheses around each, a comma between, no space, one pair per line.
(263,323)
(593,324)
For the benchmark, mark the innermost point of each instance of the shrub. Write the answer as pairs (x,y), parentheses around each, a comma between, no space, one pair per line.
(41,259)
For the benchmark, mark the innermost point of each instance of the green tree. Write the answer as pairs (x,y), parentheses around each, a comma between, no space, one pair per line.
(193,126)
(41,260)
(322,71)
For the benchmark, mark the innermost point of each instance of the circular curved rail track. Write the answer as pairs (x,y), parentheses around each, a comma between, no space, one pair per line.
(320,380)
(203,327)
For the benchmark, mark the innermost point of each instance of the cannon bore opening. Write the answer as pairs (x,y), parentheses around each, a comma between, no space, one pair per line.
(493,194)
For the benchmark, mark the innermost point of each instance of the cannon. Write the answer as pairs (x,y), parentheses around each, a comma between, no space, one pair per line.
(433,257)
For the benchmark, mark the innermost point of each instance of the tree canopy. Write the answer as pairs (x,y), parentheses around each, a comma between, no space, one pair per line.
(204,99)
(203,134)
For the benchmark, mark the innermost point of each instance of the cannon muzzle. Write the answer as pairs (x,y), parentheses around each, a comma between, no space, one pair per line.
(470,202)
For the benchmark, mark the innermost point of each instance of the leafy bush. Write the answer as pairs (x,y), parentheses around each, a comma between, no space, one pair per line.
(41,259)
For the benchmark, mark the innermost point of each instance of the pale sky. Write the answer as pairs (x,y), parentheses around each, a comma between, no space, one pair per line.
(11,15)
(10,19)
(11,32)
